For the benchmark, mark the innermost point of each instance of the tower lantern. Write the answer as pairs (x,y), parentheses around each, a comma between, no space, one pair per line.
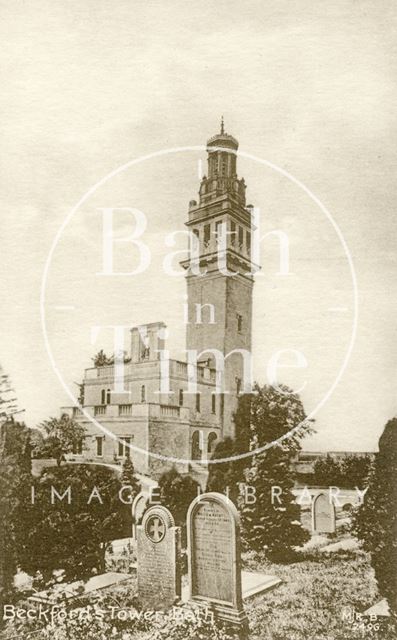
(222,169)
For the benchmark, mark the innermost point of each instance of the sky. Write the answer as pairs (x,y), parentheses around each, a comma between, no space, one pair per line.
(306,86)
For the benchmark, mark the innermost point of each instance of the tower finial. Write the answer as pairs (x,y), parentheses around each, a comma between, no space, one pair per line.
(222,126)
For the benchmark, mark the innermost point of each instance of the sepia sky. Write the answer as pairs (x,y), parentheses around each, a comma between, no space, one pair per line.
(307,86)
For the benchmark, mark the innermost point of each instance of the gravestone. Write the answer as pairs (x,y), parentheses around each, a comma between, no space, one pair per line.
(158,554)
(214,557)
(137,510)
(323,514)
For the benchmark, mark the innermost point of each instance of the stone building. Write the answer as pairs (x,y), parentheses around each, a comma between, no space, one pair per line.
(177,422)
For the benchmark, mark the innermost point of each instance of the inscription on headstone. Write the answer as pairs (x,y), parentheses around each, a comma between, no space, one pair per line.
(214,556)
(323,514)
(158,567)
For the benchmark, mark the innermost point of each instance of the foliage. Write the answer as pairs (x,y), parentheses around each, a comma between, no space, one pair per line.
(73,534)
(8,406)
(224,477)
(191,628)
(128,478)
(102,360)
(375,522)
(261,418)
(268,414)
(268,522)
(61,436)
(351,471)
(97,618)
(15,475)
(355,470)
(317,599)
(176,493)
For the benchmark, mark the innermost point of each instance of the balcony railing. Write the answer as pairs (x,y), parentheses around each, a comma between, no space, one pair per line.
(169,411)
(125,409)
(135,410)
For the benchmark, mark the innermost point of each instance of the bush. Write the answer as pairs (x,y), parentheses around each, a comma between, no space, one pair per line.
(72,536)
(375,522)
(176,493)
(267,524)
(349,472)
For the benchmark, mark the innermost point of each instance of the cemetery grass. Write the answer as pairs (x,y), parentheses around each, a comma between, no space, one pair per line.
(316,591)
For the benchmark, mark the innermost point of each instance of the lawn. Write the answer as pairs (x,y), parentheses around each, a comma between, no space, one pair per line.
(317,595)
(317,599)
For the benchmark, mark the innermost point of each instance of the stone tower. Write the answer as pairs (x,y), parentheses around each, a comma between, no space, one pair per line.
(220,302)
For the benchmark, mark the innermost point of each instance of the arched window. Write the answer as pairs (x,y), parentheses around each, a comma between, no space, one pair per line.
(212,438)
(196,450)
(108,396)
(143,393)
(103,396)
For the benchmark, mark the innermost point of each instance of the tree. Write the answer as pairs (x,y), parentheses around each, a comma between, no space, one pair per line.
(269,413)
(8,403)
(328,472)
(349,472)
(176,493)
(224,477)
(73,534)
(261,417)
(101,359)
(375,522)
(15,475)
(268,522)
(355,470)
(273,417)
(61,436)
(128,478)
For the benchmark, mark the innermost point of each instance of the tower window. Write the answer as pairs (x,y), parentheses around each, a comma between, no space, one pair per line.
(103,396)
(213,403)
(239,323)
(198,402)
(108,396)
(99,446)
(248,236)
(219,229)
(224,165)
(181,397)
(238,385)
(240,236)
(233,232)
(143,393)
(207,234)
